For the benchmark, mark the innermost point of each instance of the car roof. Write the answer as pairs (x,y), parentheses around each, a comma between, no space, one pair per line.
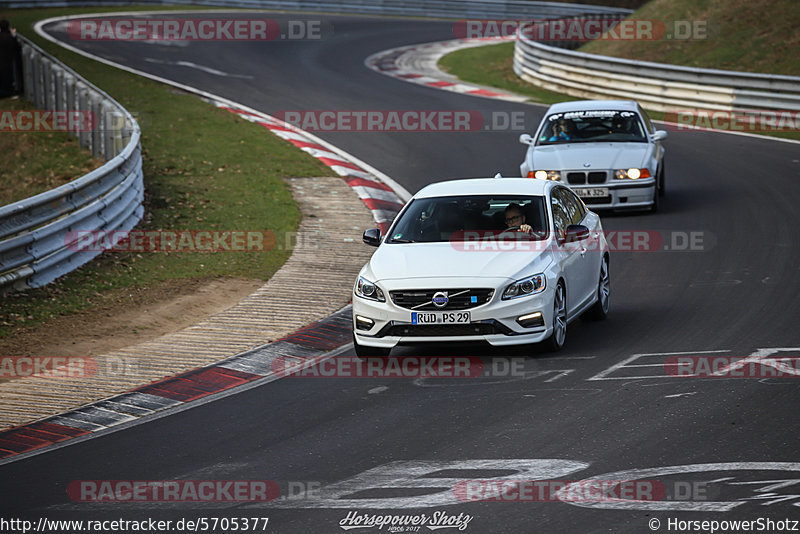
(593,105)
(486,186)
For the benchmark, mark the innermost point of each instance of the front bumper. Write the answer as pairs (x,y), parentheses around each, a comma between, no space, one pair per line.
(621,194)
(494,322)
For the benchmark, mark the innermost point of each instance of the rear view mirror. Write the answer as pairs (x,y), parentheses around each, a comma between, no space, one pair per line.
(372,237)
(659,135)
(526,139)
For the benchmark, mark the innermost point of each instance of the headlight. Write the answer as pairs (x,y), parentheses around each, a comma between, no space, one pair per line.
(631,174)
(526,286)
(554,176)
(367,290)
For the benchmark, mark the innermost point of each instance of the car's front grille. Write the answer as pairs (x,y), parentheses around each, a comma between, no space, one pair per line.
(597,177)
(457,299)
(431,330)
(576,178)
(579,178)
(596,200)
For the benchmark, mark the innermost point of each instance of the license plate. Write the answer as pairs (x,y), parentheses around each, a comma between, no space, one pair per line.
(592,192)
(439,317)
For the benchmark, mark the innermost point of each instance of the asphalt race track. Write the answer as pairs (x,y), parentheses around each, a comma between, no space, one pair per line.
(602,405)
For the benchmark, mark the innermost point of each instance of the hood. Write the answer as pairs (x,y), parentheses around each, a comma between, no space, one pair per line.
(601,156)
(447,260)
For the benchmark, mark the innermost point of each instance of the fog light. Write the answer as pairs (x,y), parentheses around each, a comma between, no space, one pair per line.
(531,320)
(364,323)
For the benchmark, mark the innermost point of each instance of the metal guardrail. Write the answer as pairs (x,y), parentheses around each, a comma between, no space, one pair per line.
(658,86)
(460,9)
(36,234)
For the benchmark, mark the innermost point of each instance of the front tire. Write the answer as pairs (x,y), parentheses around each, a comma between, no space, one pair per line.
(559,336)
(366,352)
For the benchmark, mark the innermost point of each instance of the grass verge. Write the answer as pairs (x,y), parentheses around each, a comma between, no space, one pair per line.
(204,169)
(36,162)
(743,35)
(493,65)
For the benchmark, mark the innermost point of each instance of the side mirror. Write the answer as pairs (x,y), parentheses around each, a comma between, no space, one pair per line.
(660,135)
(372,237)
(575,233)
(526,139)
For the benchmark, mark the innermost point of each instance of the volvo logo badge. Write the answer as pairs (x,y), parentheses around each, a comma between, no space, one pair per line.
(440,299)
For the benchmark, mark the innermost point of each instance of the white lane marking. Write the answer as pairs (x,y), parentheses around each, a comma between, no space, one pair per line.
(679,395)
(655,474)
(561,374)
(603,375)
(439,478)
(379,389)
(317,153)
(371,192)
(283,134)
(191,65)
(761,357)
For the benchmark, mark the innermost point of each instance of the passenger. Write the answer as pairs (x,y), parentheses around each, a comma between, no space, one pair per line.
(562,131)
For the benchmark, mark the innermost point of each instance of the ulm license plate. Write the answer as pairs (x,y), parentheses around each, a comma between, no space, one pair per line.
(592,192)
(439,317)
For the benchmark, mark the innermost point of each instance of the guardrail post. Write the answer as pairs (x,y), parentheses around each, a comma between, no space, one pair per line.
(60,96)
(70,98)
(39,97)
(49,86)
(82,104)
(29,70)
(96,135)
(112,135)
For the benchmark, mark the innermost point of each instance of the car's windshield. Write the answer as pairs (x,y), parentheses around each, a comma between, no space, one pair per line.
(592,126)
(470,217)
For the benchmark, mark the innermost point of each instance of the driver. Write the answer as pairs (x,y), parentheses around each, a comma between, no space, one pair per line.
(515,219)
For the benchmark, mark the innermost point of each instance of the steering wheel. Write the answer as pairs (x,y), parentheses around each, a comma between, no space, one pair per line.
(510,230)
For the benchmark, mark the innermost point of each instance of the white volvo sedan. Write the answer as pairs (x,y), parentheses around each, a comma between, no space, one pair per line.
(506,261)
(607,151)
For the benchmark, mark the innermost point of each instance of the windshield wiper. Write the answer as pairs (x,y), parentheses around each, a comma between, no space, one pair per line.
(403,241)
